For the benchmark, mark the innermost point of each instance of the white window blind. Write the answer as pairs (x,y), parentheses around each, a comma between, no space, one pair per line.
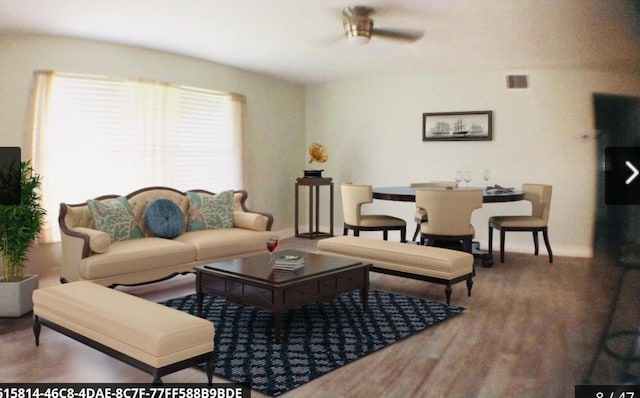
(94,136)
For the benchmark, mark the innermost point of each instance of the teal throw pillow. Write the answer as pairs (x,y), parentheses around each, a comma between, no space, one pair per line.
(210,211)
(115,218)
(164,219)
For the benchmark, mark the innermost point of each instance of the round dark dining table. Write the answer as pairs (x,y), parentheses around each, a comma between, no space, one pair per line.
(408,194)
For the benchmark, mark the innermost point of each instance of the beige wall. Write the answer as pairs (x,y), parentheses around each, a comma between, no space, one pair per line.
(372,128)
(274,141)
(373,132)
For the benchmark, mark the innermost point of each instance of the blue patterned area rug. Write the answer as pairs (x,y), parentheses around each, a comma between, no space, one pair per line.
(316,338)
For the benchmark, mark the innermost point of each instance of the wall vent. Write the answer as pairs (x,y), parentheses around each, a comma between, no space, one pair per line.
(517,81)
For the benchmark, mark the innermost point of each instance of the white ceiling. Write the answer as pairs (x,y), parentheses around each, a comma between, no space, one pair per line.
(303,40)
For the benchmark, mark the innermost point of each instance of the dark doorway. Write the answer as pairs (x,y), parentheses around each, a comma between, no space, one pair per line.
(617,233)
(617,248)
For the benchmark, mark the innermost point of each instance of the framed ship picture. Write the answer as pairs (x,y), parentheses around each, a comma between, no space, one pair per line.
(457,126)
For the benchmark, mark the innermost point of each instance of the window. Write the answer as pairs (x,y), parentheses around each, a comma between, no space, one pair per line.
(94,136)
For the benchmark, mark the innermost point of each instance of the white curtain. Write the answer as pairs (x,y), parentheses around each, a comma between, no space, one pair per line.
(93,136)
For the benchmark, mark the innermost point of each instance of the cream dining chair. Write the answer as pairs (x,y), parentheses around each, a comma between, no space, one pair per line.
(353,197)
(540,197)
(449,215)
(421,214)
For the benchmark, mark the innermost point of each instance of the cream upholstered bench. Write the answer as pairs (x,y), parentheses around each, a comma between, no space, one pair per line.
(432,264)
(156,339)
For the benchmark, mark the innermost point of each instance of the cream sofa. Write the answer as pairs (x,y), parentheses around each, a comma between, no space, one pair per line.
(91,254)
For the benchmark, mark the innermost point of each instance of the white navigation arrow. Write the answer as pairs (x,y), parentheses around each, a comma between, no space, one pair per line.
(635,172)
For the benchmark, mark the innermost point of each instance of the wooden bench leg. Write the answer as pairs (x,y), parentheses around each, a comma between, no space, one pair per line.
(209,367)
(469,286)
(447,292)
(36,329)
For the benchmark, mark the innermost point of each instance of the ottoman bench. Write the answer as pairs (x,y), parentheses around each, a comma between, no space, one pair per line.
(153,338)
(428,263)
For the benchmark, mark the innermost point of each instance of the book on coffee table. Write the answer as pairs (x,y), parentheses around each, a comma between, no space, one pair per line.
(288,262)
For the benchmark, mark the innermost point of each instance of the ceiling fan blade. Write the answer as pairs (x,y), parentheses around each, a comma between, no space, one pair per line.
(406,35)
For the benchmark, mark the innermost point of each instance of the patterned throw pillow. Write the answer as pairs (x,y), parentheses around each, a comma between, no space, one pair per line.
(210,211)
(115,218)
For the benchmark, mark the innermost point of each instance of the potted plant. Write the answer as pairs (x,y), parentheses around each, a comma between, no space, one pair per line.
(20,224)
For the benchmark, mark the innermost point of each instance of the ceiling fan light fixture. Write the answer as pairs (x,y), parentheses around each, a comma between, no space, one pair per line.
(358,31)
(358,40)
(358,27)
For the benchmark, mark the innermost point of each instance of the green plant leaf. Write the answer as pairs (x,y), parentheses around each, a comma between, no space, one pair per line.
(20,224)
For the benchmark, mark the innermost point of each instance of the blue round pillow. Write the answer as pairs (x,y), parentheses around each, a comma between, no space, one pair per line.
(164,219)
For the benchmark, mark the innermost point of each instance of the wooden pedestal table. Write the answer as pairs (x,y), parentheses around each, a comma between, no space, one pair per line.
(314,184)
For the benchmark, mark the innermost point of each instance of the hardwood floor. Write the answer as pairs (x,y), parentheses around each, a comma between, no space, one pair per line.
(530,329)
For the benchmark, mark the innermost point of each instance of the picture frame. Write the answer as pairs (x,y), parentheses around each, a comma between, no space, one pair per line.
(457,126)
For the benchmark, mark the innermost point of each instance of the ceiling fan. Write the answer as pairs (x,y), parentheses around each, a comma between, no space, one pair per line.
(358,27)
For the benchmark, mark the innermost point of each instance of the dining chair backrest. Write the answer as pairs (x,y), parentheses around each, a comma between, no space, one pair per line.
(449,209)
(540,197)
(353,197)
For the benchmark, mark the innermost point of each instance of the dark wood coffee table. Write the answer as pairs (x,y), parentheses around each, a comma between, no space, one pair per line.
(251,281)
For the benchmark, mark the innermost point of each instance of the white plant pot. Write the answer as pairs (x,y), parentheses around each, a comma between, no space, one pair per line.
(16,298)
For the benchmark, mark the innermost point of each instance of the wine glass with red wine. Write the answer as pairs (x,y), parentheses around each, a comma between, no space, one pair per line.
(272,243)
